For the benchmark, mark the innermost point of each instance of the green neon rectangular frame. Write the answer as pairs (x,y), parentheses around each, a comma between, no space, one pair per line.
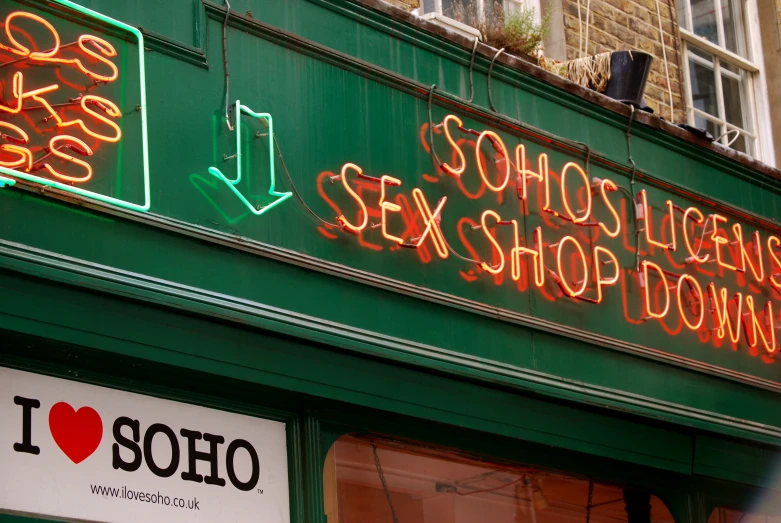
(144,134)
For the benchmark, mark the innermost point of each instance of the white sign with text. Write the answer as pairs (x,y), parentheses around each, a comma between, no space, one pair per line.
(72,450)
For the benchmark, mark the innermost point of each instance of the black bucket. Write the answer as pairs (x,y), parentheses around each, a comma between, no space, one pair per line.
(628,74)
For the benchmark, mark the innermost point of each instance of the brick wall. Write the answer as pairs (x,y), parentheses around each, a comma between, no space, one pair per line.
(407,5)
(619,25)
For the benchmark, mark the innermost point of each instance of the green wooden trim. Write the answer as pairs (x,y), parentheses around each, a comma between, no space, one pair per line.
(179,297)
(462,55)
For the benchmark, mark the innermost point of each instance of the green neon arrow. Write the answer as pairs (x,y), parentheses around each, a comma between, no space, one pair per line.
(6,182)
(280,196)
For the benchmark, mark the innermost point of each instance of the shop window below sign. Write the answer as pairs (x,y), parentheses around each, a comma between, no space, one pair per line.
(390,482)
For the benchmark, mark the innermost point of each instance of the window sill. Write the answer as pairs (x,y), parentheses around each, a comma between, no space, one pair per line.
(564,84)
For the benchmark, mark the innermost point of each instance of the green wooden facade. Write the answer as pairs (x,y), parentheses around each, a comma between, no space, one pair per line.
(202,301)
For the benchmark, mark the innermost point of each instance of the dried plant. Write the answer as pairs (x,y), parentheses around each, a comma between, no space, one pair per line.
(517,32)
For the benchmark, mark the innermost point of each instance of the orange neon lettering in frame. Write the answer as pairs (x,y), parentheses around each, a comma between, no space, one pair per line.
(775,279)
(432,222)
(701,303)
(483,175)
(25,155)
(344,222)
(539,261)
(600,282)
(647,286)
(564,283)
(111,109)
(454,172)
(604,186)
(649,225)
(686,240)
(719,241)
(721,308)
(21,50)
(56,152)
(106,50)
(745,260)
(386,206)
(493,241)
(757,331)
(564,199)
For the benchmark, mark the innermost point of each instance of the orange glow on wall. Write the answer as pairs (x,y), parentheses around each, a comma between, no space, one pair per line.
(432,222)
(600,281)
(648,223)
(758,273)
(495,140)
(699,301)
(525,174)
(574,216)
(720,241)
(387,206)
(536,253)
(497,248)
(606,186)
(455,172)
(584,283)
(344,222)
(82,149)
(757,331)
(775,274)
(647,287)
(721,309)
(686,240)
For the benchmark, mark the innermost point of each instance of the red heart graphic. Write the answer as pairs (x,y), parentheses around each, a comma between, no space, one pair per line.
(76,432)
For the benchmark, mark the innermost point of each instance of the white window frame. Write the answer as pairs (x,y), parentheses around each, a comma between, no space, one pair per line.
(480,5)
(758,107)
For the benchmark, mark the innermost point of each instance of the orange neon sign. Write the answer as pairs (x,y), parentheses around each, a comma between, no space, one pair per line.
(26,146)
(588,256)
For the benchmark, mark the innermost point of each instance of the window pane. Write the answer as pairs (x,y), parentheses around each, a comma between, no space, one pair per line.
(682,15)
(712,127)
(703,86)
(704,20)
(733,101)
(702,54)
(461,10)
(731,16)
(369,481)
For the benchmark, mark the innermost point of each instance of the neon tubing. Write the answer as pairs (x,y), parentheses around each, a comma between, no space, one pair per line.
(144,131)
(658,315)
(700,302)
(686,240)
(745,260)
(719,241)
(387,206)
(493,241)
(775,279)
(571,293)
(454,172)
(599,280)
(721,308)
(432,222)
(280,197)
(756,329)
(564,198)
(604,186)
(483,175)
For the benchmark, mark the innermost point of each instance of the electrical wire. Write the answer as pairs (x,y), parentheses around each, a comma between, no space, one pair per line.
(295,191)
(225,62)
(453,251)
(490,72)
(380,473)
(632,184)
(500,487)
(664,57)
(471,77)
(431,128)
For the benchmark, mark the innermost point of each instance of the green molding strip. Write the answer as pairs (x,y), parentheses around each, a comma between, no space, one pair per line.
(145,142)
(280,196)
